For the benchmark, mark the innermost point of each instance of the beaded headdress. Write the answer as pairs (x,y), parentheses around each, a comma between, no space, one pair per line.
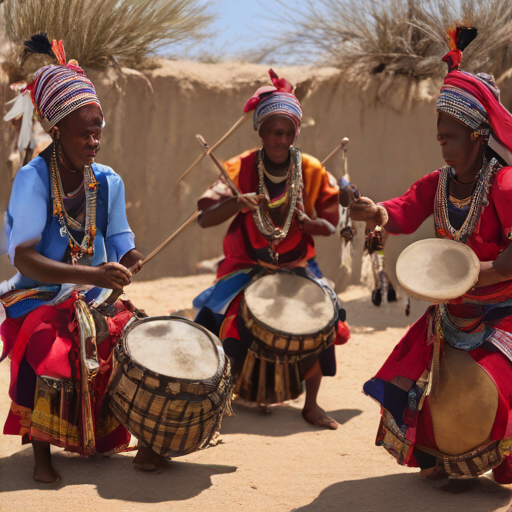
(474,100)
(58,90)
(275,100)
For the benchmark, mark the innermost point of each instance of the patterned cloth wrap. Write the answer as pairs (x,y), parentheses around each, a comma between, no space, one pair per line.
(275,100)
(56,91)
(462,105)
(474,100)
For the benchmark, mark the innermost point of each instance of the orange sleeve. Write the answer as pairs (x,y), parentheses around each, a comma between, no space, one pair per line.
(320,191)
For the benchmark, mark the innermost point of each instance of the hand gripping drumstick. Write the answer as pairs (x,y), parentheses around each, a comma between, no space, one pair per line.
(138,266)
(218,143)
(223,172)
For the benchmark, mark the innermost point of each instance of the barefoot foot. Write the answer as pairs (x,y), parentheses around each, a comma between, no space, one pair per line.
(149,461)
(43,468)
(318,417)
(46,475)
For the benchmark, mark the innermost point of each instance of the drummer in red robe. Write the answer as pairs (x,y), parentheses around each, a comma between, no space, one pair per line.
(470,199)
(270,174)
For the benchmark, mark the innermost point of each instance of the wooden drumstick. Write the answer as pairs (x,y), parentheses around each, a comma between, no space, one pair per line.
(342,145)
(228,134)
(223,172)
(138,266)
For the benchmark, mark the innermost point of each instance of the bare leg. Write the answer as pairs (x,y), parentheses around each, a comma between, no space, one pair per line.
(312,412)
(43,470)
(148,460)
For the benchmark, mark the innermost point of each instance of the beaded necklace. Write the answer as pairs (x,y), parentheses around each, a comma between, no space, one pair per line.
(80,253)
(262,216)
(479,200)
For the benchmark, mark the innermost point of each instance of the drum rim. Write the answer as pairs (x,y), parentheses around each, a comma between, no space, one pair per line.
(318,332)
(221,356)
(442,296)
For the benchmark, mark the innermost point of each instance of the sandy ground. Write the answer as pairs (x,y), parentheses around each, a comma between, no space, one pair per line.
(276,462)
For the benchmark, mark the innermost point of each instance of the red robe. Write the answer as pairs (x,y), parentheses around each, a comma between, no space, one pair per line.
(412,355)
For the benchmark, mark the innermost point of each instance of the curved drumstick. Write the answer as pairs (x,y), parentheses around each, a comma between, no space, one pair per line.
(223,172)
(138,266)
(342,145)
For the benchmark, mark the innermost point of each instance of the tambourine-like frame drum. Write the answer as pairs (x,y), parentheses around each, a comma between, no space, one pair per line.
(173,416)
(437,270)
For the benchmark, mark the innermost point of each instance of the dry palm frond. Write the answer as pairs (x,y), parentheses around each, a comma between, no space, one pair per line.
(99,33)
(406,37)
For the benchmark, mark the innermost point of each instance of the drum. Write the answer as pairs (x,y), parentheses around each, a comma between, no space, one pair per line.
(463,404)
(289,318)
(289,314)
(172,384)
(437,270)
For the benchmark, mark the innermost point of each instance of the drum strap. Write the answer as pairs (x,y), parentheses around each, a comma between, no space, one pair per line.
(89,366)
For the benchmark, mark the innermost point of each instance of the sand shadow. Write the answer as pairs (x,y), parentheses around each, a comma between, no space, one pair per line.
(407,491)
(114,477)
(362,313)
(283,421)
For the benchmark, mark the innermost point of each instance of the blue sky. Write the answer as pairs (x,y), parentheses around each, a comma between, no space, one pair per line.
(241,23)
(240,26)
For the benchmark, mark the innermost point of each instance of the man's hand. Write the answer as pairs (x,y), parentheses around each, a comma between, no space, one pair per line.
(248,202)
(113,276)
(364,209)
(309,226)
(348,195)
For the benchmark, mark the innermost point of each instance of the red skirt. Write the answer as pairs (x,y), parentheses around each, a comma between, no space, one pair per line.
(45,386)
(408,362)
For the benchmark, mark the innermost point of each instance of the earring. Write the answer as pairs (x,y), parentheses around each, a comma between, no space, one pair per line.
(475,135)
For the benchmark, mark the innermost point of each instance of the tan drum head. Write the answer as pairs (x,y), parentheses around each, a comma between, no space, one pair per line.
(289,303)
(437,270)
(463,403)
(173,348)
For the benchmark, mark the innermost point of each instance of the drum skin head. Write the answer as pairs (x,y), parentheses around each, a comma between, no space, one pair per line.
(437,270)
(463,403)
(173,348)
(288,303)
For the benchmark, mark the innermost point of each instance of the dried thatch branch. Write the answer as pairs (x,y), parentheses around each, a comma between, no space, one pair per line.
(99,33)
(406,37)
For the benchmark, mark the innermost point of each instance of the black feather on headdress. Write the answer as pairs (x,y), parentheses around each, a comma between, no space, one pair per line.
(38,43)
(465,37)
(458,38)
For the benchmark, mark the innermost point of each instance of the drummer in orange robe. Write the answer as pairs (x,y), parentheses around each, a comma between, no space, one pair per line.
(277,118)
(470,199)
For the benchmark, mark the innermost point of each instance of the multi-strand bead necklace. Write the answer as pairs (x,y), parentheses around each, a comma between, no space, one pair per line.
(80,252)
(479,200)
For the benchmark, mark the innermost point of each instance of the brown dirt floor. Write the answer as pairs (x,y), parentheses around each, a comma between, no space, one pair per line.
(264,463)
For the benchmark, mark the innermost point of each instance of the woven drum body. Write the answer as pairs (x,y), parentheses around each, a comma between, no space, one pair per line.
(172,384)
(288,318)
(290,315)
(437,270)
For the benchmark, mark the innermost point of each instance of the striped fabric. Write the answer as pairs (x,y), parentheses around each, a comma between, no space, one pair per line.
(278,104)
(464,106)
(59,90)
